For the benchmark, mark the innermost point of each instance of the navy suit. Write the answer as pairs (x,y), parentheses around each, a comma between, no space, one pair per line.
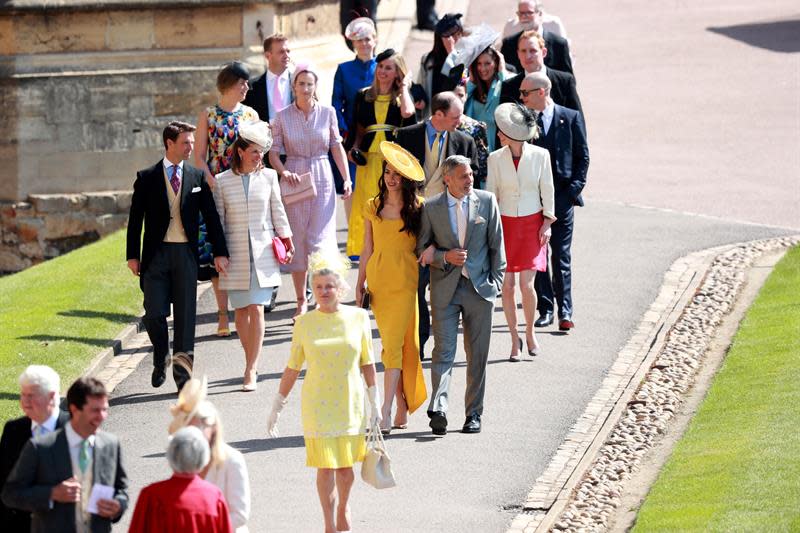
(17,433)
(569,158)
(557,52)
(564,90)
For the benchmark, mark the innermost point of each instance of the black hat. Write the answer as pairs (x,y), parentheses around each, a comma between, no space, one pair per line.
(239,69)
(449,24)
(386,54)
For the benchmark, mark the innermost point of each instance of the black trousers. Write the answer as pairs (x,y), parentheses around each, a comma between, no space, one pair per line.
(555,285)
(426,15)
(171,278)
(422,306)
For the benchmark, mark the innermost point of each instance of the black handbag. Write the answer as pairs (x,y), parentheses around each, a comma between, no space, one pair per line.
(365,299)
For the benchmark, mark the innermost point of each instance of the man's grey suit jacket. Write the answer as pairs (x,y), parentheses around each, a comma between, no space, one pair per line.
(44,463)
(486,257)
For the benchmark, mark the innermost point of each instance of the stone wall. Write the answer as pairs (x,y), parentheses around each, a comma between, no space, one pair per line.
(52,224)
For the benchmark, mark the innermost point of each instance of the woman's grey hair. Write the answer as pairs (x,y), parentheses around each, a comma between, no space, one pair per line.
(41,376)
(452,162)
(188,451)
(342,287)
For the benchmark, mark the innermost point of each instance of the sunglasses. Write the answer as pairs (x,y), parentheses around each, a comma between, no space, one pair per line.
(526,92)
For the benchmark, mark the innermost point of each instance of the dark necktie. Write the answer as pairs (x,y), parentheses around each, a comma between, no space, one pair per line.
(174,180)
(540,123)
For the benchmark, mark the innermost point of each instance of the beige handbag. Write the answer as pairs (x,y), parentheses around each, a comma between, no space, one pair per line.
(291,193)
(377,467)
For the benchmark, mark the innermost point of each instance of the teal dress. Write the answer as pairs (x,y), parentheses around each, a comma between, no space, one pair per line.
(484,111)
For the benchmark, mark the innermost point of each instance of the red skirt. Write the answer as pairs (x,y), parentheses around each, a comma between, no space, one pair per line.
(521,239)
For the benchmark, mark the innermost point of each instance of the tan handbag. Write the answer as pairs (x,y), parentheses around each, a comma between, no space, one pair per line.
(293,193)
(377,467)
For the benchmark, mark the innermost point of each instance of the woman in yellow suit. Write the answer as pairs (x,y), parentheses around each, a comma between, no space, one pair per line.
(379,109)
(388,265)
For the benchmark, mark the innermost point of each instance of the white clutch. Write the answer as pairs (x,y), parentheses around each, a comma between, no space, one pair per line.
(377,467)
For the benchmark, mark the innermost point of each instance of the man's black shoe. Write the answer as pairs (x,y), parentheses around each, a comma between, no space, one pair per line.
(472,424)
(438,423)
(565,323)
(159,376)
(544,320)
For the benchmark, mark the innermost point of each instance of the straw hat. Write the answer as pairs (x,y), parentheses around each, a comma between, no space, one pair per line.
(402,161)
(257,133)
(515,121)
(192,395)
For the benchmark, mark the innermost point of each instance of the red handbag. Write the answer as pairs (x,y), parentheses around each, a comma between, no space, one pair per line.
(279,248)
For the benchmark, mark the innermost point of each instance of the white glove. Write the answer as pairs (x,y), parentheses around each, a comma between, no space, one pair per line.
(375,417)
(277,406)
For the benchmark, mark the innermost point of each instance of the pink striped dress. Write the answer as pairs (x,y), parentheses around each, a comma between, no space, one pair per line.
(306,143)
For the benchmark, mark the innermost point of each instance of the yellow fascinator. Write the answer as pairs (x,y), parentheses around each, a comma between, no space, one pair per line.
(328,260)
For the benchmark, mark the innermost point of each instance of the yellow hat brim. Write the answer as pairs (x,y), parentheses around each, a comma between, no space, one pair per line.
(402,160)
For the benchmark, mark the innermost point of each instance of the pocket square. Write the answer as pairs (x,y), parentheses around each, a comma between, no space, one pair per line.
(195,189)
(480,220)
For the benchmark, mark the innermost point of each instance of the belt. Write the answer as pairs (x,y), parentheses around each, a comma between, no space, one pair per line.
(313,157)
(381,127)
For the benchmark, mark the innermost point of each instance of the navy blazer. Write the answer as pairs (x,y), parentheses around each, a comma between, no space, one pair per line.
(44,463)
(557,52)
(150,206)
(569,156)
(16,433)
(563,91)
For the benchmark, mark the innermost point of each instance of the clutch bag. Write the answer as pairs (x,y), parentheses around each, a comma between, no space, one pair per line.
(281,254)
(365,299)
(376,469)
(294,192)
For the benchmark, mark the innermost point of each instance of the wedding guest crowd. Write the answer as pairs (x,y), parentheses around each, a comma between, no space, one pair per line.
(465,182)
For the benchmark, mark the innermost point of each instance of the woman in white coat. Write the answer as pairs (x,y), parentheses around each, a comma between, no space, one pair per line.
(248,200)
(519,174)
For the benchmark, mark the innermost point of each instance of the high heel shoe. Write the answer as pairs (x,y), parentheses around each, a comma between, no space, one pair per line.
(535,351)
(514,358)
(250,385)
(302,308)
(223,332)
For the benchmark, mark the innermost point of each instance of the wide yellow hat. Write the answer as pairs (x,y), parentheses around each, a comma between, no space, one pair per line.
(402,160)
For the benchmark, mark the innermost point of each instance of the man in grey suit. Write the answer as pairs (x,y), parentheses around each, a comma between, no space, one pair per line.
(462,240)
(56,473)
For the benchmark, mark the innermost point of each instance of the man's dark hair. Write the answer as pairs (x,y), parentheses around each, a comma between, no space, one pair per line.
(274,38)
(175,128)
(82,389)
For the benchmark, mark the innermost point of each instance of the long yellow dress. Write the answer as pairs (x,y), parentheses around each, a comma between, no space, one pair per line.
(367,179)
(334,347)
(392,277)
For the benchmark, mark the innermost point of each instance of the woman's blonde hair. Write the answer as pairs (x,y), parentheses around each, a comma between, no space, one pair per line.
(397,87)
(208,417)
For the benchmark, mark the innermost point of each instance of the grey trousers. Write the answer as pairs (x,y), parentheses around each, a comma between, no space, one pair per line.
(476,316)
(171,277)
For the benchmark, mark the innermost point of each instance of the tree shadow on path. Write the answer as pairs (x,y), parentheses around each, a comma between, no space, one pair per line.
(778,36)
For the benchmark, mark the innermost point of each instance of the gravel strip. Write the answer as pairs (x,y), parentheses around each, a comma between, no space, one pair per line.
(660,394)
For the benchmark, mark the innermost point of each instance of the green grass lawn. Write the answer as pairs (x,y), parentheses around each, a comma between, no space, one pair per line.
(737,468)
(62,313)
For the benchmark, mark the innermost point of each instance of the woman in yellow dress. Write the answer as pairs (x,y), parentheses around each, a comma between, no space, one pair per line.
(379,109)
(335,343)
(388,265)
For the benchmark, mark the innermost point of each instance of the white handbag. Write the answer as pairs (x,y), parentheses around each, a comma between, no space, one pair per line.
(377,467)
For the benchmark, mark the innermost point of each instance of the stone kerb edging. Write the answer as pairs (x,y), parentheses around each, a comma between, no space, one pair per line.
(581,486)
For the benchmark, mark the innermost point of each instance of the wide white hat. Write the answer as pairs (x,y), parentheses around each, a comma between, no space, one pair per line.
(360,28)
(515,121)
(257,133)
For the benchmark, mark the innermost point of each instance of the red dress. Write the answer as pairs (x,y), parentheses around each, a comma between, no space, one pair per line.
(181,504)
(521,241)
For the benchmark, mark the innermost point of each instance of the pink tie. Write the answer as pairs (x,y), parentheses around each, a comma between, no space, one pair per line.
(174,181)
(277,99)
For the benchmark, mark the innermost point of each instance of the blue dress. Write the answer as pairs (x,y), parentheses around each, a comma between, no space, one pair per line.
(350,77)
(484,112)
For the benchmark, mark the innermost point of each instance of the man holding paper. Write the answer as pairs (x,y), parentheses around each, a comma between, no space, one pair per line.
(72,479)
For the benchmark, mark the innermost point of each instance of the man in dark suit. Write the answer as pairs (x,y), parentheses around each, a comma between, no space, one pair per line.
(168,198)
(529,14)
(264,96)
(56,473)
(531,52)
(431,142)
(38,398)
(564,136)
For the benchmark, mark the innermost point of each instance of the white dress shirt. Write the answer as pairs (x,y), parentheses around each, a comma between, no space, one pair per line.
(74,441)
(547,116)
(284,87)
(48,426)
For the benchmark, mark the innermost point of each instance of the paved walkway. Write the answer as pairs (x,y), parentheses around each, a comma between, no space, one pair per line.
(477,482)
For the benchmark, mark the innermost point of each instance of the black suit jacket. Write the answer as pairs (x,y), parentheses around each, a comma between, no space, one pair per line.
(16,433)
(569,156)
(563,90)
(151,206)
(44,463)
(557,52)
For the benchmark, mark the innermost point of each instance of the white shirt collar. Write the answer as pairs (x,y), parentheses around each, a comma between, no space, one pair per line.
(452,200)
(549,109)
(283,75)
(49,424)
(167,163)
(74,440)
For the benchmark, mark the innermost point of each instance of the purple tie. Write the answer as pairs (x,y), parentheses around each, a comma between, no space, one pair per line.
(174,180)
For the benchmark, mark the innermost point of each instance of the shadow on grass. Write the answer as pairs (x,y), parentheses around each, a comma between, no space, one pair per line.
(120,318)
(48,339)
